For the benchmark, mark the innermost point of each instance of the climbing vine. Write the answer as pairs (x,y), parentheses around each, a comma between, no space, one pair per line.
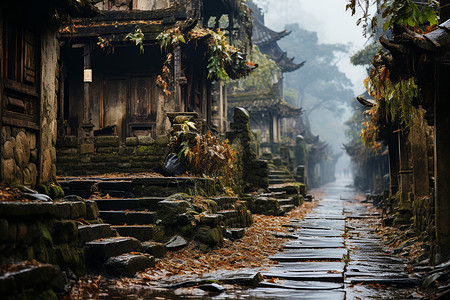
(393,99)
(221,54)
(138,37)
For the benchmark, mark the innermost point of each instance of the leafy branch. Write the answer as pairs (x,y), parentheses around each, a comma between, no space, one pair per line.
(138,37)
(392,12)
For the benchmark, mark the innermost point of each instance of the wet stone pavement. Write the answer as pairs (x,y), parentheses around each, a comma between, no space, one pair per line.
(334,253)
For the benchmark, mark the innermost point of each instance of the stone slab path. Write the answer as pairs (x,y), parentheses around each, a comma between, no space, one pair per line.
(334,253)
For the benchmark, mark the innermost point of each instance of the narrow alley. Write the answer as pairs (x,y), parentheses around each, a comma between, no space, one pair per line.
(224,149)
(336,251)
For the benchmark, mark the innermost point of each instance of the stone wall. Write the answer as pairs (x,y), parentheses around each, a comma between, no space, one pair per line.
(28,155)
(44,231)
(19,159)
(105,154)
(255,172)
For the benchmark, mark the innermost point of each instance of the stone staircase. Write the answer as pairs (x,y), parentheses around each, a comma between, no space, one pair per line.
(112,254)
(145,216)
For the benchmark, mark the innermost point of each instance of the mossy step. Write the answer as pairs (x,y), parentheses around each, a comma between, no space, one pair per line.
(121,217)
(280,176)
(287,207)
(285,201)
(140,232)
(88,233)
(98,251)
(279,172)
(129,203)
(34,277)
(225,202)
(280,181)
(115,185)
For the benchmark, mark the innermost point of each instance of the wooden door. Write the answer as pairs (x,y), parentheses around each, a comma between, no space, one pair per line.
(115,105)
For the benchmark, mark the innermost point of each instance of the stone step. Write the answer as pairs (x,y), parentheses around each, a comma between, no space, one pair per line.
(129,264)
(280,176)
(225,202)
(132,186)
(305,276)
(140,232)
(285,201)
(33,277)
(234,218)
(115,185)
(289,190)
(278,172)
(333,254)
(122,217)
(287,207)
(277,195)
(136,204)
(98,251)
(280,181)
(87,233)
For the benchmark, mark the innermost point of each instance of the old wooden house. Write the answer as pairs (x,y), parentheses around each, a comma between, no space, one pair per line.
(418,149)
(29,86)
(268,109)
(119,83)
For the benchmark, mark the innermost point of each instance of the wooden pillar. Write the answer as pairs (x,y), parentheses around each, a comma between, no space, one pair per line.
(419,157)
(221,107)
(442,161)
(393,162)
(405,180)
(87,125)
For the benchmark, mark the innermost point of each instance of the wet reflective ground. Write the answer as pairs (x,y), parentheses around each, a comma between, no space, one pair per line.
(334,253)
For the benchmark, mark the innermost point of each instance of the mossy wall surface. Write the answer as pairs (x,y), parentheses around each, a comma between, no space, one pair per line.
(106,154)
(46,232)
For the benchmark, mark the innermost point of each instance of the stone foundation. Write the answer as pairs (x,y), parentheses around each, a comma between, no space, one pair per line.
(46,232)
(19,159)
(106,154)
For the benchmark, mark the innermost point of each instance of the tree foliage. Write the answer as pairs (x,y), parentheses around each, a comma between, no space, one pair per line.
(263,78)
(392,12)
(319,83)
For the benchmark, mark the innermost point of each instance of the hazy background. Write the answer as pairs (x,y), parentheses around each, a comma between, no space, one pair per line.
(333,25)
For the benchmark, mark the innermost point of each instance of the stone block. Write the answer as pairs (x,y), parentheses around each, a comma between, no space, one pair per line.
(145,140)
(22,150)
(4,229)
(65,231)
(157,250)
(131,141)
(162,140)
(8,150)
(175,243)
(168,210)
(212,220)
(99,250)
(129,264)
(67,141)
(77,210)
(62,210)
(209,236)
(88,233)
(107,150)
(87,148)
(107,141)
(92,212)
(140,232)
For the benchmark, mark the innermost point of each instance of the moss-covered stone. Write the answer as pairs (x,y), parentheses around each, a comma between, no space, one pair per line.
(65,231)
(212,237)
